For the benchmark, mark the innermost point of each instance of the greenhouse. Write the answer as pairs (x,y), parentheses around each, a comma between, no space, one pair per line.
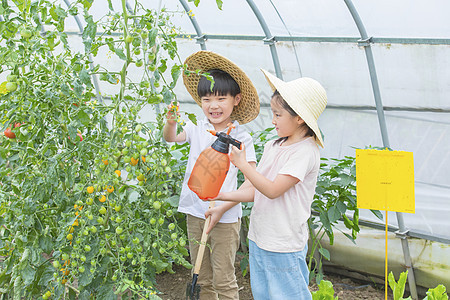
(89,186)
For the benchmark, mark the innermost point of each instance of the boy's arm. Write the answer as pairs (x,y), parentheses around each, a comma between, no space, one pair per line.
(170,128)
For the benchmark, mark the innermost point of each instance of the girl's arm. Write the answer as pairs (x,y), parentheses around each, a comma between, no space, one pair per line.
(217,212)
(270,189)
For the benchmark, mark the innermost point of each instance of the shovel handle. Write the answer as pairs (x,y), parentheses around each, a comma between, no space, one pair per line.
(201,249)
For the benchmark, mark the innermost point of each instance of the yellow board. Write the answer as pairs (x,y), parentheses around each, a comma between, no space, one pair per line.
(385,180)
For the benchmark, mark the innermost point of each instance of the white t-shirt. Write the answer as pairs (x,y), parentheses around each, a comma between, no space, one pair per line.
(280,224)
(200,139)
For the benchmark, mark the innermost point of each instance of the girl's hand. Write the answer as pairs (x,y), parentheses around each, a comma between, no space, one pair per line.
(172,113)
(237,156)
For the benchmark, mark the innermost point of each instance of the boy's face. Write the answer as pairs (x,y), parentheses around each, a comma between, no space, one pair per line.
(218,109)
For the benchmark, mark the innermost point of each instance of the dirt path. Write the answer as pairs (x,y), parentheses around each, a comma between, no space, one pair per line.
(173,286)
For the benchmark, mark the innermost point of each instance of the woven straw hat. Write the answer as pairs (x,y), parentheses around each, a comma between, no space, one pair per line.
(305,96)
(248,107)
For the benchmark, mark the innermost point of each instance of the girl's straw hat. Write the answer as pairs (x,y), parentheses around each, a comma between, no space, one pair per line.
(305,96)
(248,107)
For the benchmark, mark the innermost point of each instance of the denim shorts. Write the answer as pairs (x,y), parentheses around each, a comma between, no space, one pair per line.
(275,275)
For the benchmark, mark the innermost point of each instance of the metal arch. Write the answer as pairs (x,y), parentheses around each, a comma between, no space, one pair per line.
(402,233)
(91,59)
(200,36)
(270,39)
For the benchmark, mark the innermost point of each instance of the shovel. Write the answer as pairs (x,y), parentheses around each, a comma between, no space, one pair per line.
(193,289)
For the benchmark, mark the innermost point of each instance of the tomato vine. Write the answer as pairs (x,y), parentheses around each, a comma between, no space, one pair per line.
(87,195)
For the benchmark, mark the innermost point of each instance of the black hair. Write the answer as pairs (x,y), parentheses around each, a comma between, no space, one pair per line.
(224,84)
(279,99)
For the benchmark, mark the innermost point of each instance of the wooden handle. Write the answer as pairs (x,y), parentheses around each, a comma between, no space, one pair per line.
(201,249)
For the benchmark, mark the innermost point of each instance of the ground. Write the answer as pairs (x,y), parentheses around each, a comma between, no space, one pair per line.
(173,286)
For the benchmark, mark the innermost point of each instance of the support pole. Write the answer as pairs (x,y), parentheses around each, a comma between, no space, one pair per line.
(269,40)
(403,231)
(200,36)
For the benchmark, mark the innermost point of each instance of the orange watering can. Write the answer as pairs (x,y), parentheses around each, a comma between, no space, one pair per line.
(212,166)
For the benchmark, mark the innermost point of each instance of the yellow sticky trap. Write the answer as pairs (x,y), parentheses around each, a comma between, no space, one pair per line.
(385,180)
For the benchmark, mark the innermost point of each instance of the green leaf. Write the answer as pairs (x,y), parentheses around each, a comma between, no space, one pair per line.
(219,4)
(325,253)
(333,214)
(438,293)
(175,72)
(87,4)
(46,244)
(85,77)
(84,118)
(193,118)
(120,54)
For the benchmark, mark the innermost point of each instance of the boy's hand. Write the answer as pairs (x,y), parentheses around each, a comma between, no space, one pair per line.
(172,113)
(216,214)
(237,156)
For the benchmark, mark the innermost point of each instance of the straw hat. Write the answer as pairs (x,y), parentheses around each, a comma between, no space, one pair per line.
(305,96)
(248,107)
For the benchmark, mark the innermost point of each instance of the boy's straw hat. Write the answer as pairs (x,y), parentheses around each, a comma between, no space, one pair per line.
(305,96)
(248,107)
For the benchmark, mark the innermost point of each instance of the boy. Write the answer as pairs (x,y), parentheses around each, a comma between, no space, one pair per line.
(233,98)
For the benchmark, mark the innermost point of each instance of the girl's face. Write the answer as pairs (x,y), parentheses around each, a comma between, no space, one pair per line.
(218,109)
(286,124)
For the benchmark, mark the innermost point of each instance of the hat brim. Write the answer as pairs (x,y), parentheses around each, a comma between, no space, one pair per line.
(291,91)
(248,108)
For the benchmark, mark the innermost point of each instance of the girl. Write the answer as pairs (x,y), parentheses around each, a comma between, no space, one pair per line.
(282,188)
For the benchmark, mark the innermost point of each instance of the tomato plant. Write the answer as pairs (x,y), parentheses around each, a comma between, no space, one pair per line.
(83,179)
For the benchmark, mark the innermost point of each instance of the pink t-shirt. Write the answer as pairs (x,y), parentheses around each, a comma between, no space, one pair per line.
(280,224)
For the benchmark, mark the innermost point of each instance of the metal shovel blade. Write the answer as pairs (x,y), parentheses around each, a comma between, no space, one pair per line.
(192,291)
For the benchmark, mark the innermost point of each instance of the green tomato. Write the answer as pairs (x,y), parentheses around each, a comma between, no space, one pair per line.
(11,86)
(117,208)
(130,255)
(173,236)
(154,245)
(128,39)
(144,152)
(83,258)
(26,33)
(152,221)
(65,256)
(139,63)
(87,248)
(161,221)
(11,77)
(100,220)
(136,240)
(119,230)
(102,210)
(81,269)
(56,264)
(138,128)
(171,226)
(157,205)
(93,229)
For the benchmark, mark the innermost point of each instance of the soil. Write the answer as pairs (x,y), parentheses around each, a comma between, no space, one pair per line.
(173,286)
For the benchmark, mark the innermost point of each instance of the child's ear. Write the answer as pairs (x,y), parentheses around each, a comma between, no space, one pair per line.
(300,120)
(237,99)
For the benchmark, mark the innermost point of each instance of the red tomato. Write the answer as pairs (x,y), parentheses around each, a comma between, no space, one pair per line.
(9,134)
